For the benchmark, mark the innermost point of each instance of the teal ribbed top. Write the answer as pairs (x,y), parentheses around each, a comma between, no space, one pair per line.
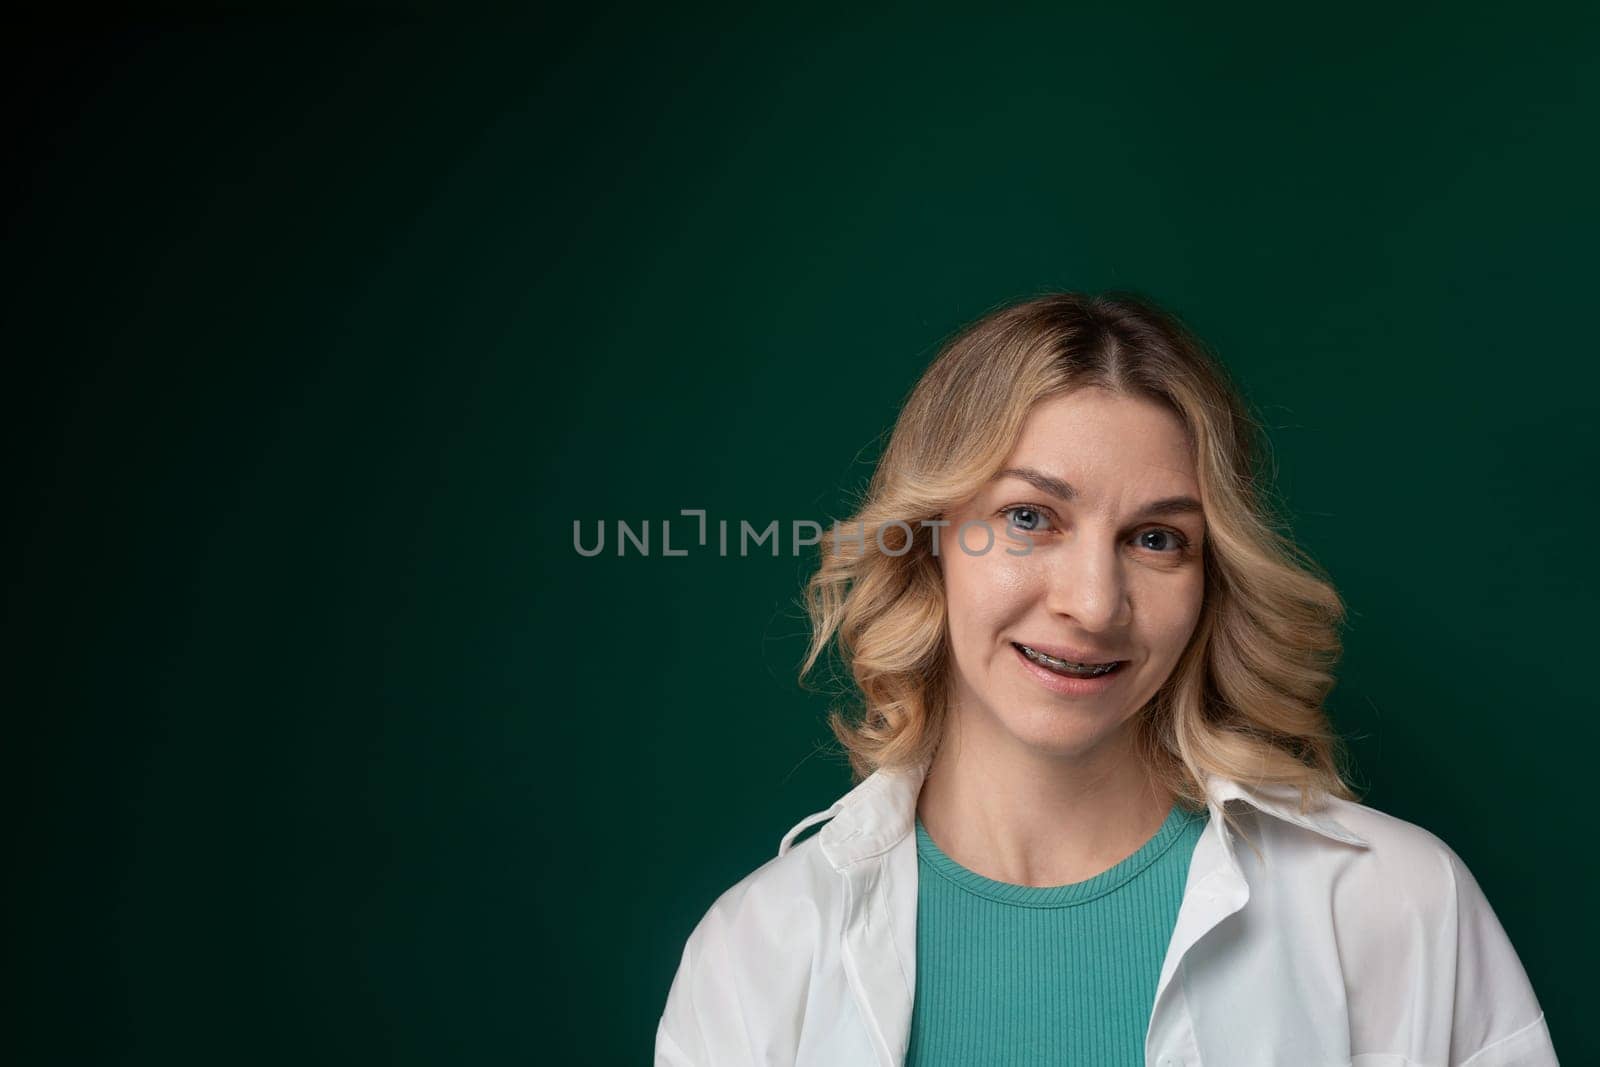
(1015,974)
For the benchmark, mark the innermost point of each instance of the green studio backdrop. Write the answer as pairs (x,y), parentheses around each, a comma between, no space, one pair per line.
(322,332)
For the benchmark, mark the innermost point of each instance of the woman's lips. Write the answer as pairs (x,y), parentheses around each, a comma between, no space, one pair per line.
(1071,655)
(1067,684)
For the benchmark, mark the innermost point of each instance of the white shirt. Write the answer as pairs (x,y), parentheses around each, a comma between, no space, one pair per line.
(1362,942)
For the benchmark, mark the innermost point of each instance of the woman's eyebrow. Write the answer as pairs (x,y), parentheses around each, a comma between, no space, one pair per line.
(1063,490)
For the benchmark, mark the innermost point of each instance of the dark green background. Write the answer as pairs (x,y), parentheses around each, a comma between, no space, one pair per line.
(327,747)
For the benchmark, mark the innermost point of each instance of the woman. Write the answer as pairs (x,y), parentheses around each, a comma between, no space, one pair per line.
(1091,668)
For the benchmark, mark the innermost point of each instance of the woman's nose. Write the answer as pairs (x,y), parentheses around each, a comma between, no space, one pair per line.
(1086,584)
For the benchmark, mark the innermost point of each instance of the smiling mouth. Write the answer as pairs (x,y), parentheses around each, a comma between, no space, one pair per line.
(1067,667)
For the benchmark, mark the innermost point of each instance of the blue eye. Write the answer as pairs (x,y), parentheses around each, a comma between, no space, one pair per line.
(1025,518)
(1175,539)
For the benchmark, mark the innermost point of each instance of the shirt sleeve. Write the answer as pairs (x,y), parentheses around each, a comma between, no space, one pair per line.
(1497,1020)
(679,1042)
(703,1023)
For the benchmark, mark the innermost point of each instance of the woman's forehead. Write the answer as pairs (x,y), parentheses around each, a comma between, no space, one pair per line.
(1098,435)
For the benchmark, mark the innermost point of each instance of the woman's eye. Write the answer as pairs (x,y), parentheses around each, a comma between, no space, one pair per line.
(1165,540)
(1026,519)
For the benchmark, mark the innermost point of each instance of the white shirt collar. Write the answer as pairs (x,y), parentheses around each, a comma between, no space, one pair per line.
(875,815)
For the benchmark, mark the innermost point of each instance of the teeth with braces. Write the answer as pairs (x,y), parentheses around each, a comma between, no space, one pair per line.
(1090,670)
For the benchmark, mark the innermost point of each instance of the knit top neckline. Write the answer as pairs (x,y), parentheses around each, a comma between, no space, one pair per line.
(1178,820)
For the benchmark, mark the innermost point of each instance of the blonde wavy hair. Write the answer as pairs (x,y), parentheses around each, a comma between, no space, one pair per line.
(1245,699)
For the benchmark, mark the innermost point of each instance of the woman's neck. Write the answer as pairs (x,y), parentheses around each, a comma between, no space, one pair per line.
(1019,816)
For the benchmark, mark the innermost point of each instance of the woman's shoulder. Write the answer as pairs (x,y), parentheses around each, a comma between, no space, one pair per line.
(764,958)
(799,876)
(1345,837)
(1409,861)
(1390,887)
(1405,855)
(758,943)
(805,877)
(782,904)
(1412,921)
(1378,864)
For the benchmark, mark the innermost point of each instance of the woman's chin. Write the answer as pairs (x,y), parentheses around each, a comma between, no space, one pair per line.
(1056,732)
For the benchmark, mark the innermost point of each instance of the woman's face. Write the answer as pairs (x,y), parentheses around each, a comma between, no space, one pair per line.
(1101,496)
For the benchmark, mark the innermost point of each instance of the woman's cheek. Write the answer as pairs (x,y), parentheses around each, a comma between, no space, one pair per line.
(1013,575)
(1176,611)
(983,591)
